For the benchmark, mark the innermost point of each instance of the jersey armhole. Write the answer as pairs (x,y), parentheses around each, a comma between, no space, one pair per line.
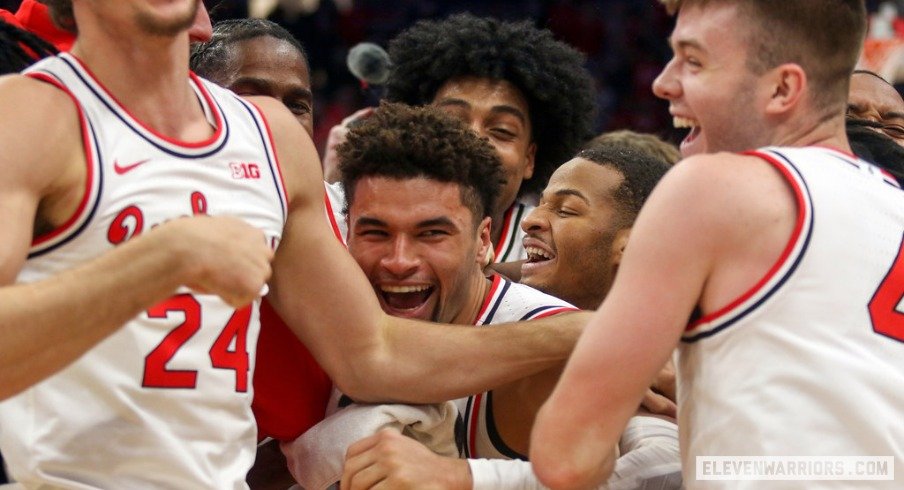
(74,224)
(716,321)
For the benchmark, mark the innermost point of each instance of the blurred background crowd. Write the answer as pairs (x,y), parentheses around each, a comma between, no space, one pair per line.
(624,42)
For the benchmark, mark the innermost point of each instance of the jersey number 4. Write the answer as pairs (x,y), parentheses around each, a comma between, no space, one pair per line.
(157,375)
(887,319)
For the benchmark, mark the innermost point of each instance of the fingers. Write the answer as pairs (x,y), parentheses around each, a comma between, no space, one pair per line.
(361,469)
(659,404)
(359,114)
(227,257)
(665,381)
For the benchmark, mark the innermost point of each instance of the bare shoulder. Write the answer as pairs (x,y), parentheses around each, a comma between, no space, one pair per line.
(35,114)
(297,155)
(728,190)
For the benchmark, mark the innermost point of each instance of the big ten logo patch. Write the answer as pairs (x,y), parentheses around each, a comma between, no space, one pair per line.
(245,170)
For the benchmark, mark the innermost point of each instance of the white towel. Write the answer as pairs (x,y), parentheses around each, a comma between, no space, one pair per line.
(316,458)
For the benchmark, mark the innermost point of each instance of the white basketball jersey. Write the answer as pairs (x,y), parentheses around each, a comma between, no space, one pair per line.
(810,361)
(164,402)
(505,302)
(511,243)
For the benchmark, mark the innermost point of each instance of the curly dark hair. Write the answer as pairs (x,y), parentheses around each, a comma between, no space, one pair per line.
(20,48)
(403,142)
(211,59)
(550,74)
(641,169)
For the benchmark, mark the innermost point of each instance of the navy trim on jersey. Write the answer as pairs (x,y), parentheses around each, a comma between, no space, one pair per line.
(515,222)
(541,309)
(99,164)
(886,178)
(505,285)
(265,139)
(787,275)
(141,133)
(466,427)
(493,433)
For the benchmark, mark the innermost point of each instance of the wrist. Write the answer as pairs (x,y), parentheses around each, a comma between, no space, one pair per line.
(459,476)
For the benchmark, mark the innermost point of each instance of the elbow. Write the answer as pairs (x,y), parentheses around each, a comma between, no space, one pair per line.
(360,379)
(559,473)
(565,460)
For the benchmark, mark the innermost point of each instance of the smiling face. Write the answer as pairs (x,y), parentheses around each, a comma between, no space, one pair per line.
(709,86)
(497,110)
(876,100)
(575,235)
(419,246)
(269,66)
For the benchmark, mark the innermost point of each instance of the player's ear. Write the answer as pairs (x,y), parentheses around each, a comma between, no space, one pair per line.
(618,247)
(787,86)
(531,159)
(484,244)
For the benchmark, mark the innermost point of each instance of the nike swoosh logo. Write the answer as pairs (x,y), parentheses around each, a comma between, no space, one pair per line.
(122,169)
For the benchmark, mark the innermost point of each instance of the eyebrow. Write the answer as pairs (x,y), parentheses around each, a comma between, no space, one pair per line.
(260,82)
(438,221)
(428,223)
(504,109)
(893,115)
(685,43)
(572,192)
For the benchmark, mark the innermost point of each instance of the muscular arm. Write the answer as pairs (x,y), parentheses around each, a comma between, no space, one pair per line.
(710,230)
(323,295)
(47,324)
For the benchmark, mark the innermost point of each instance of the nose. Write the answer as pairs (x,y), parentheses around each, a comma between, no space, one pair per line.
(201,30)
(535,221)
(402,260)
(666,85)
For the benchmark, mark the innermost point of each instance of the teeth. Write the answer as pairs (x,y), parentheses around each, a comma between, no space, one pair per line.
(537,252)
(404,289)
(683,122)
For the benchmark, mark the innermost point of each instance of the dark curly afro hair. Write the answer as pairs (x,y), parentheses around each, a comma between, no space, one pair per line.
(550,74)
(404,142)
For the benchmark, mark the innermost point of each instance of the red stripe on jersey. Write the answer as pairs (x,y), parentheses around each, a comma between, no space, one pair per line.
(218,118)
(332,218)
(795,236)
(506,230)
(488,300)
(89,161)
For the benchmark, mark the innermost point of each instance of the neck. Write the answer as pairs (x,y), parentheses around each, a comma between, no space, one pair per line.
(148,75)
(826,130)
(479,286)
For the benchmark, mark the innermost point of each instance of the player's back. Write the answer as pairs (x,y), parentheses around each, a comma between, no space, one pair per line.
(811,361)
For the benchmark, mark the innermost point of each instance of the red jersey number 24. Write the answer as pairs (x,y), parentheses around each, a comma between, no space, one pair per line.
(887,319)
(156,373)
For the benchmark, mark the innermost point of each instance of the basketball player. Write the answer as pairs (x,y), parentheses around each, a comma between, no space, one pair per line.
(511,83)
(420,226)
(34,16)
(775,267)
(575,239)
(136,245)
(872,98)
(258,57)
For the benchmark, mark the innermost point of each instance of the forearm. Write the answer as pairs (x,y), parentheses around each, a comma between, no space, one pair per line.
(426,363)
(48,324)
